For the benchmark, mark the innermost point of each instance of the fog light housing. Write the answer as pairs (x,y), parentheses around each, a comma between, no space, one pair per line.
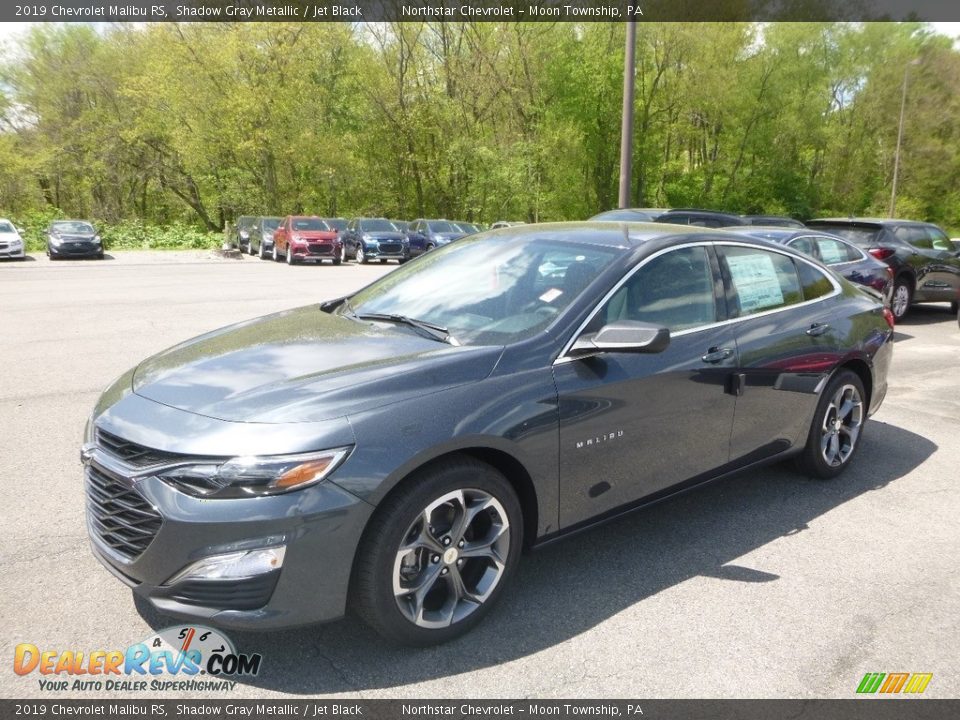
(233,566)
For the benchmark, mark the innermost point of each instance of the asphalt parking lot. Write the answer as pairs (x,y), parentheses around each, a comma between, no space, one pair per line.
(767,585)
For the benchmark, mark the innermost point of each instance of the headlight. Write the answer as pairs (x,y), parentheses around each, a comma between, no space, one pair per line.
(54,239)
(96,239)
(244,234)
(252,476)
(16,242)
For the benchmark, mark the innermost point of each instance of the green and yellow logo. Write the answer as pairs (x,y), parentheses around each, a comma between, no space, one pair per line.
(890,683)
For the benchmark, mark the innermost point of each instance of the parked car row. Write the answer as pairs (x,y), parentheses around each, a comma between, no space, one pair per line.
(905,261)
(308,238)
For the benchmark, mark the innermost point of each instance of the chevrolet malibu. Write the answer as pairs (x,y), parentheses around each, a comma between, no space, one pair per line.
(393,452)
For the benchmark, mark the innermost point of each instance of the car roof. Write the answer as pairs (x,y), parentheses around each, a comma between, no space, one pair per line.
(868,221)
(618,234)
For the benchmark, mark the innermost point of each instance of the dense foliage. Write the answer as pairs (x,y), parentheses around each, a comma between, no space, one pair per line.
(152,125)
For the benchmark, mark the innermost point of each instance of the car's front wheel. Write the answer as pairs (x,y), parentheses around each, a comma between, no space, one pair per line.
(361,256)
(290,259)
(276,255)
(837,426)
(262,251)
(438,553)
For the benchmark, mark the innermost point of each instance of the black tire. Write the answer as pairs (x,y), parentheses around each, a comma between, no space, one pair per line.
(382,261)
(393,526)
(291,260)
(954,307)
(901,298)
(274,253)
(815,461)
(100,255)
(342,260)
(261,252)
(360,256)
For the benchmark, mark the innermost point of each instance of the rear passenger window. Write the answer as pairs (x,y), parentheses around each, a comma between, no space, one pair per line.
(761,280)
(833,252)
(804,245)
(815,283)
(675,290)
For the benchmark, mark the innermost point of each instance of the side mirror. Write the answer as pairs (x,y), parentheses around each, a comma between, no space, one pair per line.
(622,336)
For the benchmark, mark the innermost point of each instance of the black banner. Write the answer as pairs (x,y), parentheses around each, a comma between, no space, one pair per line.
(854,709)
(477,10)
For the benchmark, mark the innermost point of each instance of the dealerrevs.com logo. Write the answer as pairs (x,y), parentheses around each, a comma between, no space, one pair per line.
(173,659)
(894,683)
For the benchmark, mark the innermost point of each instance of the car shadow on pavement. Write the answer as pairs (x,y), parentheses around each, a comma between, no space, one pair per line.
(929,314)
(570,587)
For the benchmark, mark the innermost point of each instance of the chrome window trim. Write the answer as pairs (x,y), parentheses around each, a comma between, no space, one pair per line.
(564,358)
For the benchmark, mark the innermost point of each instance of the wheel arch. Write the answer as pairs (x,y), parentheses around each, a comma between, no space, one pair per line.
(862,369)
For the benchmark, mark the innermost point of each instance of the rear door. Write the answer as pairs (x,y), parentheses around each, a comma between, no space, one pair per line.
(633,425)
(787,342)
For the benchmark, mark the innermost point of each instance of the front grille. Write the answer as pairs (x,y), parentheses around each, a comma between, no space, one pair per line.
(247,594)
(119,516)
(390,248)
(3,246)
(132,453)
(320,249)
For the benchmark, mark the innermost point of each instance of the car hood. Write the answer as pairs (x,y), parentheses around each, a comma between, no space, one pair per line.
(308,235)
(305,365)
(9,236)
(385,236)
(73,237)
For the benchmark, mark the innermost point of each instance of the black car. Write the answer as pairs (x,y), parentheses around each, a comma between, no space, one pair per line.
(241,232)
(260,237)
(630,215)
(425,235)
(396,449)
(699,218)
(73,239)
(366,239)
(841,256)
(925,265)
(773,221)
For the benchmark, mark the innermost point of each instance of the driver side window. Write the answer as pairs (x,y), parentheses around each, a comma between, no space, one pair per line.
(675,290)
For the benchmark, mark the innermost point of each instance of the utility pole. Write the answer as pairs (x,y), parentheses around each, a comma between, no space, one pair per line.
(626,124)
(896,154)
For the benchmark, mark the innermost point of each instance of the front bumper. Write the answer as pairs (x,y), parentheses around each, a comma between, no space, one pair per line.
(164,530)
(322,250)
(320,527)
(77,250)
(6,251)
(375,251)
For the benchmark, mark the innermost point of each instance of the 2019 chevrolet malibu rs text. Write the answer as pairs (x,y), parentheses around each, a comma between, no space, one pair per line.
(392,452)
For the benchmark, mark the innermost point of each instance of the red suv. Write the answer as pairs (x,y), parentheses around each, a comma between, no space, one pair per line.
(302,238)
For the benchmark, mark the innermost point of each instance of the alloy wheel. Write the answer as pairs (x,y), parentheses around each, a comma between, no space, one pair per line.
(841,425)
(901,301)
(452,558)
(361,258)
(276,257)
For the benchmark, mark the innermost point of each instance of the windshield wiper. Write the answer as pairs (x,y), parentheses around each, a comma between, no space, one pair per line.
(437,332)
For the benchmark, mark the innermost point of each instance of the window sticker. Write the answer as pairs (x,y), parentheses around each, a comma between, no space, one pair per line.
(832,252)
(550,295)
(756,281)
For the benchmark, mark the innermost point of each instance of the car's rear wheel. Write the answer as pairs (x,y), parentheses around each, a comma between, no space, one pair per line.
(837,427)
(438,553)
(361,256)
(428,248)
(902,297)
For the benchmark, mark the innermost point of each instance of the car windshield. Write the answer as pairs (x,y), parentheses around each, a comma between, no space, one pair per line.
(858,235)
(336,223)
(468,227)
(441,226)
(271,223)
(488,290)
(6,227)
(73,226)
(377,226)
(309,224)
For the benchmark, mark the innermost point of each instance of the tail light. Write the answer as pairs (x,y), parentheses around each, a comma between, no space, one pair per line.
(888,316)
(881,253)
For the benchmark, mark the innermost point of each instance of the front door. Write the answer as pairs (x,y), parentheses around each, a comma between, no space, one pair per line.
(634,424)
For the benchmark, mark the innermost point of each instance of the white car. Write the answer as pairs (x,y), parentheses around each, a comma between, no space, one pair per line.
(11,244)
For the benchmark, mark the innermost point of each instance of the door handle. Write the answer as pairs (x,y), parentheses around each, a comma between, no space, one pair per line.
(715,355)
(817,329)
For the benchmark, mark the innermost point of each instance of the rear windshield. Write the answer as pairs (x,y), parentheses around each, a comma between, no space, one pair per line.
(857,234)
(309,224)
